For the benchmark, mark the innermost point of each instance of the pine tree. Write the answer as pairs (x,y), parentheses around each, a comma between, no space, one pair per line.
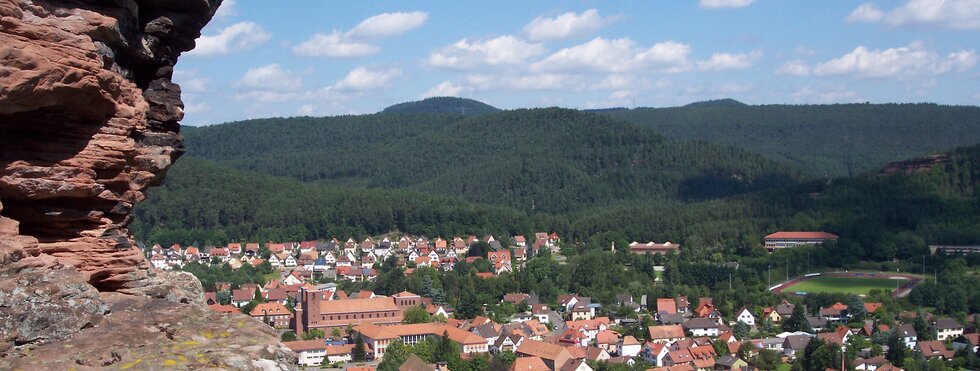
(359,353)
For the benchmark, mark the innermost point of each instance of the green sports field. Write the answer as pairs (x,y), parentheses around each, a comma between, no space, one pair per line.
(847,285)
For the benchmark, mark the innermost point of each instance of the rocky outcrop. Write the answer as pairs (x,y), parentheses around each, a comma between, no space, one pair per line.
(167,335)
(88,121)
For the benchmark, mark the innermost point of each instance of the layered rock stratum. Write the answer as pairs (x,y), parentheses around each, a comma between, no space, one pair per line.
(89,119)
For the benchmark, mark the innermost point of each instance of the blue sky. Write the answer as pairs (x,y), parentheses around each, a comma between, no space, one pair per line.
(311,57)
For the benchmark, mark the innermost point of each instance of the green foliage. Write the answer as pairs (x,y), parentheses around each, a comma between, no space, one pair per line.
(796,321)
(313,334)
(550,160)
(359,353)
(395,354)
(224,297)
(288,336)
(416,315)
(824,140)
(442,105)
(209,275)
(896,349)
(766,359)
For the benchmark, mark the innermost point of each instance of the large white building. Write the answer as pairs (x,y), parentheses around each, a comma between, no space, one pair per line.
(782,240)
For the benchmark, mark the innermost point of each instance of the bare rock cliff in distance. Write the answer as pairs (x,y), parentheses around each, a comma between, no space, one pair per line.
(89,119)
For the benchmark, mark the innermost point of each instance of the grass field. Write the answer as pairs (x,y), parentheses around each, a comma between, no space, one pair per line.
(847,285)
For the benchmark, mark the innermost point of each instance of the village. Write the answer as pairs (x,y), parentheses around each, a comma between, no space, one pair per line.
(353,330)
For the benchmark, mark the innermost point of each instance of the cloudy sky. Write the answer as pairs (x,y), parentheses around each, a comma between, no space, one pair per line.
(311,57)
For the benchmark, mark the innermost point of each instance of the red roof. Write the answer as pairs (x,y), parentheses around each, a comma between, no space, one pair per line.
(803,235)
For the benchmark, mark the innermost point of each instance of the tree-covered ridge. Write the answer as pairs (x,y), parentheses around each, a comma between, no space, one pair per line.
(204,202)
(821,140)
(443,105)
(878,216)
(551,160)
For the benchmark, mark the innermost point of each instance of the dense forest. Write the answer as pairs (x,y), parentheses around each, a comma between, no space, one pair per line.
(206,203)
(444,105)
(821,140)
(542,160)
(593,179)
(879,216)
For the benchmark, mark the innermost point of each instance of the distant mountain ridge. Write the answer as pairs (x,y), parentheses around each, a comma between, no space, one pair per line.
(727,102)
(537,160)
(443,105)
(821,140)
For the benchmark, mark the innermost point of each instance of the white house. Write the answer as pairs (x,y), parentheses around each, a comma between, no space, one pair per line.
(947,328)
(292,280)
(702,327)
(289,262)
(274,261)
(329,258)
(309,352)
(630,347)
(746,317)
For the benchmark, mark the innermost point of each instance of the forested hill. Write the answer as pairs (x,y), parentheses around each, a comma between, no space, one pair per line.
(540,160)
(204,202)
(878,216)
(821,140)
(444,105)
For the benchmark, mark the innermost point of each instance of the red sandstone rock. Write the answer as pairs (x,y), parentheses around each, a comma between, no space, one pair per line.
(88,120)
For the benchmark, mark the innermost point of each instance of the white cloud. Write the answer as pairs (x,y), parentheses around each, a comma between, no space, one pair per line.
(446,89)
(500,51)
(909,61)
(566,26)
(794,68)
(190,82)
(954,14)
(726,61)
(867,12)
(619,55)
(825,94)
(238,37)
(226,10)
(351,44)
(362,78)
(191,108)
(715,4)
(307,110)
(387,25)
(334,45)
(271,77)
(543,81)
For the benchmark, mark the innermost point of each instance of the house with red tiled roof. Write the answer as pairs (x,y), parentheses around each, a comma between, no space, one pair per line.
(379,337)
(553,355)
(608,340)
(666,334)
(272,314)
(226,309)
(529,364)
(666,306)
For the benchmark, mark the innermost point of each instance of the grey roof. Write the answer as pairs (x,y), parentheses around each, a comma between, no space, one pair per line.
(700,323)
(671,319)
(796,342)
(816,321)
(906,331)
(726,360)
(785,309)
(948,324)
